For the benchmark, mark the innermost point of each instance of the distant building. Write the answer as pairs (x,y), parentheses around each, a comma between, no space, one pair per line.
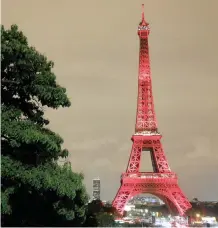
(96,189)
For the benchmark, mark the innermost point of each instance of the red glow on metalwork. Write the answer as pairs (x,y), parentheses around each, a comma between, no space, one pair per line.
(143,16)
(161,182)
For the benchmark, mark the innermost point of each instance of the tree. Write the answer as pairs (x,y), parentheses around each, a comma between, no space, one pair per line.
(105,220)
(36,191)
(99,215)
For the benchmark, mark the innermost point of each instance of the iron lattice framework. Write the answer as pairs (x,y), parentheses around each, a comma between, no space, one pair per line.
(161,182)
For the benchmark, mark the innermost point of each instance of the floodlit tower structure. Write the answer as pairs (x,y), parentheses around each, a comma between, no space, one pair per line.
(162,182)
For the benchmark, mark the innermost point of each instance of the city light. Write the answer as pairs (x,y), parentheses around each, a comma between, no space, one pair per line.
(198,215)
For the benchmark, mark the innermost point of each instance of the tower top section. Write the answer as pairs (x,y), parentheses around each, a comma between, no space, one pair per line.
(143,28)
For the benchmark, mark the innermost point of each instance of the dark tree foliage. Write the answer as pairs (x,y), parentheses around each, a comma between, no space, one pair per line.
(36,191)
(100,215)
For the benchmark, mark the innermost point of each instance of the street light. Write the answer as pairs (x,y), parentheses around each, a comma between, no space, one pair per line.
(198,215)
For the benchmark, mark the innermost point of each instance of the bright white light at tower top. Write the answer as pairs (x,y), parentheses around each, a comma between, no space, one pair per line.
(146,27)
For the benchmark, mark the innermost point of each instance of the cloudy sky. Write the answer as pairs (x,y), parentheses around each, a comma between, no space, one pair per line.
(95,47)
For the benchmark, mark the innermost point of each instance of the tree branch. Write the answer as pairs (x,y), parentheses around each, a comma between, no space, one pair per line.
(9,81)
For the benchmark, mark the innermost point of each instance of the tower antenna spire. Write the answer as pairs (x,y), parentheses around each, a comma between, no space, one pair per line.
(143,14)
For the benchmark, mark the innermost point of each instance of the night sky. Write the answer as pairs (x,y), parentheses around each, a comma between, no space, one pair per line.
(95,47)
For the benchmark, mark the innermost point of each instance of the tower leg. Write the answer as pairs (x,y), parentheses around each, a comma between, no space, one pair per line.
(123,196)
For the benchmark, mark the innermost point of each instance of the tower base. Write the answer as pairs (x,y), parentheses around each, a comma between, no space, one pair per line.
(163,185)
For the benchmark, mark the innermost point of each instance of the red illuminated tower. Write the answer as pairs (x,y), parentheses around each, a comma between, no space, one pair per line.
(162,182)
